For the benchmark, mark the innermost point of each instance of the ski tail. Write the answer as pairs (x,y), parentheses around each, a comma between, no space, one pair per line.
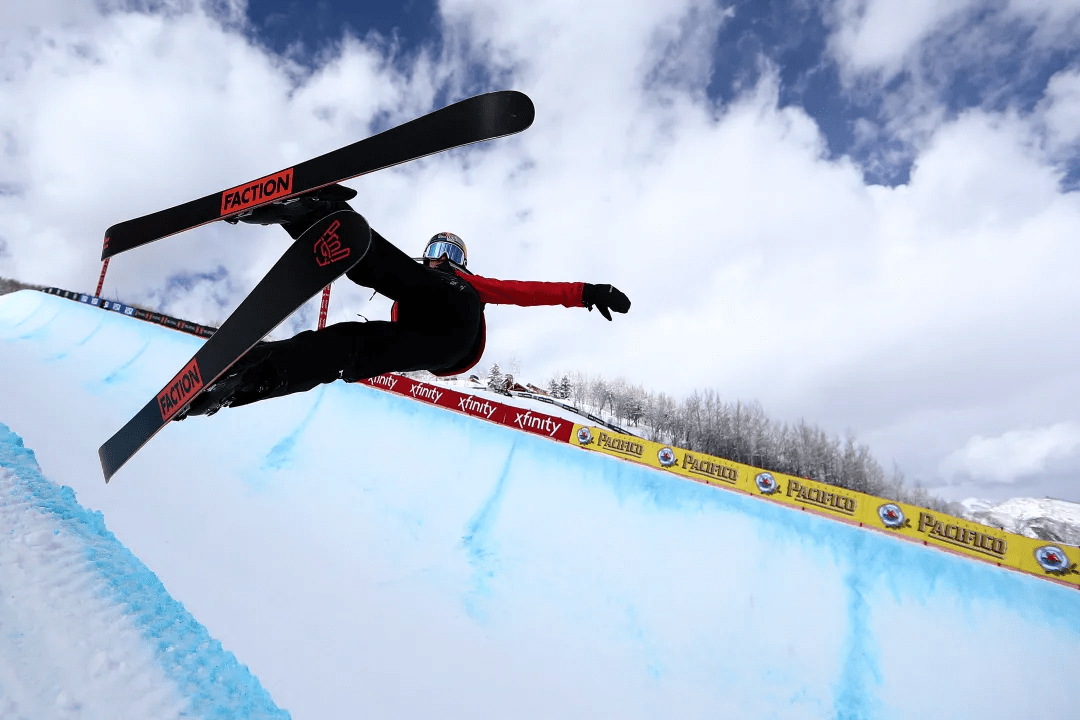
(325,252)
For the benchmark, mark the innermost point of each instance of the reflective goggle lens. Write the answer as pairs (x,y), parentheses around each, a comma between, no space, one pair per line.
(436,250)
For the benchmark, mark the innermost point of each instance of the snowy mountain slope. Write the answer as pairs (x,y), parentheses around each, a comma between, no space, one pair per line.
(1046,519)
(368,555)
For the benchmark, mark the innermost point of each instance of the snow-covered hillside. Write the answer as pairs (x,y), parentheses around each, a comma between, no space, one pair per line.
(361,554)
(1046,519)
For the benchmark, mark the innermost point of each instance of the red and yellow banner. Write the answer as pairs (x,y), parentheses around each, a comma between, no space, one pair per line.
(530,421)
(1053,561)
(1038,557)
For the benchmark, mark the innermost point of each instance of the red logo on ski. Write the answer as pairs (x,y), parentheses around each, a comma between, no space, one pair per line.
(328,247)
(258,192)
(180,390)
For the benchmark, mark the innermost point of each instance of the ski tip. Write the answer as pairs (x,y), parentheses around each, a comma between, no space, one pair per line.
(105,252)
(521,108)
(117,240)
(513,108)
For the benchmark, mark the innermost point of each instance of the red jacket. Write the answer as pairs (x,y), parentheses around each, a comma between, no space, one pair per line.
(509,292)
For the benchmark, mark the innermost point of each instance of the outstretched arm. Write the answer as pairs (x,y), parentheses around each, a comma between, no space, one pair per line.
(530,294)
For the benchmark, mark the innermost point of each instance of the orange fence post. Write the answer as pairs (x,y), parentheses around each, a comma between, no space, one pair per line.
(325,306)
(101,280)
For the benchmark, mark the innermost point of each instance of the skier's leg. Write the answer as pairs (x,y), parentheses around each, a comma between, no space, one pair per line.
(350,351)
(438,335)
(304,360)
(390,272)
(385,268)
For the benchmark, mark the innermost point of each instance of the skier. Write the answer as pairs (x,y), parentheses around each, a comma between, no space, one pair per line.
(437,318)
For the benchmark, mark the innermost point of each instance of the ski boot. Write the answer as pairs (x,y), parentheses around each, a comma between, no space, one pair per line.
(250,379)
(297,214)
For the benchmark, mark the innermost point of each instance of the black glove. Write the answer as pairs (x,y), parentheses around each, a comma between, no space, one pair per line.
(604,297)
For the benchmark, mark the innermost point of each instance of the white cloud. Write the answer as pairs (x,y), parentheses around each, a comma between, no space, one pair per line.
(1061,109)
(916,62)
(887,36)
(1014,454)
(881,35)
(136,112)
(18,18)
(1055,21)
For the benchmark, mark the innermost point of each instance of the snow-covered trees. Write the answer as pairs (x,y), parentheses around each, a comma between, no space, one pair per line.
(9,286)
(495,379)
(742,432)
(560,388)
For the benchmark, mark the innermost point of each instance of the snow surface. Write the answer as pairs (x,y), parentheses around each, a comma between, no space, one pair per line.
(86,630)
(367,555)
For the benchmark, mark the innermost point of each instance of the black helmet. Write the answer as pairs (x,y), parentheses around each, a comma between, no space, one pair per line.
(447,244)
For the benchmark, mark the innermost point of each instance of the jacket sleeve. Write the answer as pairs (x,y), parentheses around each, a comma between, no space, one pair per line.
(526,294)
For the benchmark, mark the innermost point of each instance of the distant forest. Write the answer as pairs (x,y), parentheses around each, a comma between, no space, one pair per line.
(9,286)
(738,431)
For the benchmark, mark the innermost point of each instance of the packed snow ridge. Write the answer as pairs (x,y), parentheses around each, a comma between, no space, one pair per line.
(86,630)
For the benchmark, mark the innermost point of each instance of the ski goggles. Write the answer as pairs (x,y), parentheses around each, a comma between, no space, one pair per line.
(437,249)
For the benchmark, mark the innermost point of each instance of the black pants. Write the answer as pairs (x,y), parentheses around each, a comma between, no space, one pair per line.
(439,318)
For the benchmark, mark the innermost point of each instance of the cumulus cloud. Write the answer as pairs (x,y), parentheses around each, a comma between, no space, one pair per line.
(913,66)
(136,111)
(1014,454)
(882,35)
(889,36)
(16,19)
(1061,110)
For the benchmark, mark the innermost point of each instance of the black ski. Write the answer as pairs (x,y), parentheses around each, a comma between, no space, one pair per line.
(327,250)
(479,118)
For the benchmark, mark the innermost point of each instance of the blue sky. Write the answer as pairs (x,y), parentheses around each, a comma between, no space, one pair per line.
(1008,72)
(862,213)
(281,24)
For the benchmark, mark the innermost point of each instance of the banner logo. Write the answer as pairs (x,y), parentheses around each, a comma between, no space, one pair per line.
(822,498)
(621,446)
(766,483)
(544,424)
(258,192)
(425,393)
(386,381)
(666,456)
(1054,560)
(892,516)
(328,247)
(709,469)
(584,436)
(953,534)
(472,406)
(180,390)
